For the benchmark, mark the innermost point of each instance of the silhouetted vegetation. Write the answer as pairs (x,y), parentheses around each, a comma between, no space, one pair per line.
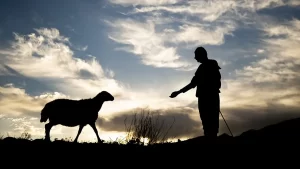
(147,126)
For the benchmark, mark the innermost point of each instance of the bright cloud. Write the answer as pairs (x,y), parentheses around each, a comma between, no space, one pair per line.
(159,49)
(211,10)
(156,37)
(45,55)
(201,35)
(15,102)
(144,2)
(273,80)
(207,10)
(144,41)
(282,60)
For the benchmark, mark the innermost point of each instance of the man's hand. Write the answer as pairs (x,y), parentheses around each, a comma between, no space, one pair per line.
(174,94)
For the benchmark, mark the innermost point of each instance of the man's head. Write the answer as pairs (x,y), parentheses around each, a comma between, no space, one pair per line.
(200,54)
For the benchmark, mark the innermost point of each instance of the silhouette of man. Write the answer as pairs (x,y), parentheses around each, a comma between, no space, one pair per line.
(207,78)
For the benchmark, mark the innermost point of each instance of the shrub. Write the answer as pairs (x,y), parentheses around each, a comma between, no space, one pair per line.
(25,135)
(147,127)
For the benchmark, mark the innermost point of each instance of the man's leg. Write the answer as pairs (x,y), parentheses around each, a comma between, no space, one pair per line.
(209,107)
(203,114)
(214,114)
(212,127)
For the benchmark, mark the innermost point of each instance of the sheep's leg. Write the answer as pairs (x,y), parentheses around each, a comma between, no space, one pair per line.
(96,131)
(79,131)
(48,127)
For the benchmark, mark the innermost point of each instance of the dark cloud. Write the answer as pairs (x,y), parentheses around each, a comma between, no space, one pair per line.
(238,119)
(85,74)
(182,125)
(33,86)
(243,119)
(15,102)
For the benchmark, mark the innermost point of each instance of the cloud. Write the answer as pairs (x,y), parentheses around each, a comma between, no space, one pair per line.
(211,10)
(202,35)
(84,48)
(157,31)
(4,70)
(46,56)
(15,102)
(178,122)
(144,41)
(184,122)
(207,10)
(159,48)
(260,51)
(282,62)
(267,90)
(246,118)
(157,38)
(143,2)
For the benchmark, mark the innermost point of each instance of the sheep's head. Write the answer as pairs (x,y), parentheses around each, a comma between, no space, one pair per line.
(105,96)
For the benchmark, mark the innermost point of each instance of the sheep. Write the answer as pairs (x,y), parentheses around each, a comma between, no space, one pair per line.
(72,113)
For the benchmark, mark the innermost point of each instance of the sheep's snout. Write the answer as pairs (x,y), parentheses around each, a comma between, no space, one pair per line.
(110,98)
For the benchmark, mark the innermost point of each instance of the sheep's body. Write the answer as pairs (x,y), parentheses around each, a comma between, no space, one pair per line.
(72,113)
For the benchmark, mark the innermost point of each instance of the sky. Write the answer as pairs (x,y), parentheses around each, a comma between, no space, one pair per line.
(141,51)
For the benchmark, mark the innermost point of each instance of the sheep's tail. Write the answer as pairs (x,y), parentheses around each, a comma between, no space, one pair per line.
(44,115)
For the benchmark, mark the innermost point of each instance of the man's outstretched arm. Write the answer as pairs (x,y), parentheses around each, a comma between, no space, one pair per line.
(186,88)
(189,86)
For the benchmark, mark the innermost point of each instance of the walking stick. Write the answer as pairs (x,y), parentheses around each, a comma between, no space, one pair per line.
(226,123)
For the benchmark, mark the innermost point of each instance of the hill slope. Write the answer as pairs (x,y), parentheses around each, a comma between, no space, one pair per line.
(285,131)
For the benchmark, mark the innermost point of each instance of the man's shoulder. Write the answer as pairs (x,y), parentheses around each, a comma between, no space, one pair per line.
(213,63)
